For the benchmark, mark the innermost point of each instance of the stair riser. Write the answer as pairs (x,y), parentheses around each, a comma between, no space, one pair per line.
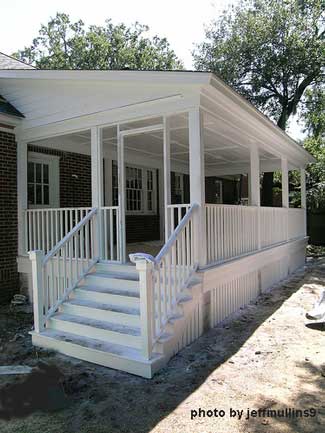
(104,315)
(96,333)
(106,298)
(111,283)
(98,357)
(121,269)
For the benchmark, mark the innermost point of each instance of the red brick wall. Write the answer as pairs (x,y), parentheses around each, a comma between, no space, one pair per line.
(74,192)
(8,216)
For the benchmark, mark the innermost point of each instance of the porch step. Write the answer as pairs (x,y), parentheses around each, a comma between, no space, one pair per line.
(101,311)
(100,330)
(100,322)
(123,298)
(116,356)
(112,280)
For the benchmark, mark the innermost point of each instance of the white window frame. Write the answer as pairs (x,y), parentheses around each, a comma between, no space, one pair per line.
(144,195)
(181,186)
(54,178)
(220,183)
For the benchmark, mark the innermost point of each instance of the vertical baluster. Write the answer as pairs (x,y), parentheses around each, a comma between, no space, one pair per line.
(165,286)
(65,277)
(76,241)
(87,243)
(159,300)
(71,261)
(179,214)
(174,282)
(43,231)
(26,231)
(30,231)
(107,253)
(61,224)
(34,231)
(183,255)
(81,240)
(111,235)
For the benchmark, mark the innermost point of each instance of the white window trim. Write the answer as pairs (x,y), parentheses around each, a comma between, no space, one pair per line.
(181,176)
(221,190)
(144,208)
(54,178)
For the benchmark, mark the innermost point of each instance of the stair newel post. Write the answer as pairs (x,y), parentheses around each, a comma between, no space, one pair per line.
(37,258)
(145,269)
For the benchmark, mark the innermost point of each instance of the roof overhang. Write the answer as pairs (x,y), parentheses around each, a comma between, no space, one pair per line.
(198,80)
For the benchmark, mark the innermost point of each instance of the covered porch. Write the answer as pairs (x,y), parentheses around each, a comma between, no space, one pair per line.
(143,175)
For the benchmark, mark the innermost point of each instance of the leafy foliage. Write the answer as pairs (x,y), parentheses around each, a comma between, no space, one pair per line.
(313,114)
(62,44)
(268,50)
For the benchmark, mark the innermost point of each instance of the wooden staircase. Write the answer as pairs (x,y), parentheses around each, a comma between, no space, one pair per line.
(100,323)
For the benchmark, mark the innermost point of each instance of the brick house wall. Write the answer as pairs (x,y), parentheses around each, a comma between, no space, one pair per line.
(75,176)
(8,217)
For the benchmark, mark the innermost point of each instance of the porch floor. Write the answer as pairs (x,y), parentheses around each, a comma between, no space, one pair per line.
(149,247)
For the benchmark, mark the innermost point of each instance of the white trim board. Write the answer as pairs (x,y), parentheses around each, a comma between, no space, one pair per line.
(251,262)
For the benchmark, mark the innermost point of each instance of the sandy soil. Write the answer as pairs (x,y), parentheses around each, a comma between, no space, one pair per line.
(264,357)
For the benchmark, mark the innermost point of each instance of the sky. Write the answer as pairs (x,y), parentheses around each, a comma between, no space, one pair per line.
(180,21)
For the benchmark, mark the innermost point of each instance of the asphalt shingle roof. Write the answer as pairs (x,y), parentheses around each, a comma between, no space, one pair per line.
(8,62)
(7,108)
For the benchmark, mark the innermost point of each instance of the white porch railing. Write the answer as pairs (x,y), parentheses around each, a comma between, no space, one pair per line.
(44,228)
(296,223)
(111,249)
(57,274)
(175,212)
(163,279)
(236,230)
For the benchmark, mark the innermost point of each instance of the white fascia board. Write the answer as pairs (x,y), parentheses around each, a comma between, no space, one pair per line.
(149,77)
(291,146)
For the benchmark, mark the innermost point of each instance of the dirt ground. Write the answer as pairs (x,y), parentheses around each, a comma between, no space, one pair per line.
(267,356)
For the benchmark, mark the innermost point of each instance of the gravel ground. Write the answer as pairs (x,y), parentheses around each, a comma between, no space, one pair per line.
(267,356)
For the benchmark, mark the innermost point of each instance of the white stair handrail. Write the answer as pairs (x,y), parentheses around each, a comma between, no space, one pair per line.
(69,235)
(58,273)
(162,280)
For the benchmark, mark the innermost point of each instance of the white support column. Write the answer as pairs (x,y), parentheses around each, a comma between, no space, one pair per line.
(97,196)
(147,319)
(254,187)
(254,176)
(22,203)
(303,197)
(167,186)
(197,183)
(121,192)
(285,190)
(37,258)
(285,182)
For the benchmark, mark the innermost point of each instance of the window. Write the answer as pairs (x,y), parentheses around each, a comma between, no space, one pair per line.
(42,180)
(179,188)
(133,186)
(218,191)
(38,183)
(150,190)
(140,189)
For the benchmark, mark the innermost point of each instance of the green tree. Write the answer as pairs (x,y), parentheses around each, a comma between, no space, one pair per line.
(313,115)
(270,51)
(62,44)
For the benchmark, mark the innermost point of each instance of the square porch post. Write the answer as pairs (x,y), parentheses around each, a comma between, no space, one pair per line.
(167,184)
(285,182)
(197,183)
(22,202)
(121,193)
(285,190)
(303,197)
(254,187)
(97,195)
